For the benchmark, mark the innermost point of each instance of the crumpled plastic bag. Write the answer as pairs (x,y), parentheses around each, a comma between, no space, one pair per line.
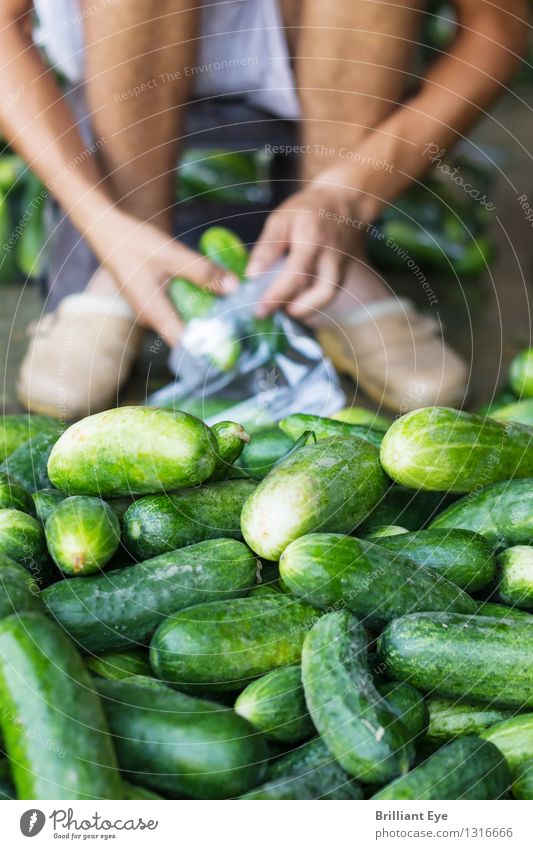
(271,368)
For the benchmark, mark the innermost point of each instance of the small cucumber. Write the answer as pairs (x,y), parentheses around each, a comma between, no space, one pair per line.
(331,569)
(133,450)
(53,724)
(450,718)
(267,445)
(331,486)
(45,500)
(463,557)
(159,523)
(297,423)
(190,300)
(467,768)
(440,449)
(502,513)
(82,534)
(28,464)
(359,727)
(118,665)
(15,430)
(122,608)
(275,705)
(522,786)
(515,585)
(22,539)
(225,248)
(514,738)
(224,645)
(180,745)
(18,591)
(474,658)
(12,495)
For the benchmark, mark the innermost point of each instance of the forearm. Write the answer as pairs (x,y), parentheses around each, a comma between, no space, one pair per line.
(455,93)
(42,129)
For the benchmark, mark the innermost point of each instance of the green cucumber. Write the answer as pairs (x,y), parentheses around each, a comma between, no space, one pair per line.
(267,445)
(521,374)
(53,724)
(515,583)
(522,786)
(190,300)
(13,495)
(181,745)
(463,557)
(224,645)
(28,464)
(133,791)
(15,430)
(517,411)
(474,658)
(408,703)
(44,501)
(331,486)
(501,611)
(309,772)
(449,718)
(133,450)
(123,608)
(223,247)
(386,531)
(514,739)
(7,789)
(118,665)
(22,539)
(82,535)
(502,513)
(331,569)
(231,439)
(298,423)
(362,416)
(275,705)
(159,523)
(410,509)
(437,448)
(18,591)
(467,768)
(359,727)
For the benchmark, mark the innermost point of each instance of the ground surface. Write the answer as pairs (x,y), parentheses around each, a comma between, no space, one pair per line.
(487,320)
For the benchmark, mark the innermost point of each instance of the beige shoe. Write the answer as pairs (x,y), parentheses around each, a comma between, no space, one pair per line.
(396,355)
(79,357)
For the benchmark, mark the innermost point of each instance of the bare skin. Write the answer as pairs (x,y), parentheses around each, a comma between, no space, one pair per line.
(109,201)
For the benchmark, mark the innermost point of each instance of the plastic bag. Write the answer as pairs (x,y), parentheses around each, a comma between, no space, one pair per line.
(274,367)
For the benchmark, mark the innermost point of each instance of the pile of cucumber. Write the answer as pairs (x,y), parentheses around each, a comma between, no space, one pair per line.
(331,608)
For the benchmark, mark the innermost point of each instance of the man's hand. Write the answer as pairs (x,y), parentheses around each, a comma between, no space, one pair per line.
(319,231)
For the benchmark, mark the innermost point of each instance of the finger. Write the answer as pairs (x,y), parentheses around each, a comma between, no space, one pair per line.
(329,268)
(198,269)
(296,275)
(271,245)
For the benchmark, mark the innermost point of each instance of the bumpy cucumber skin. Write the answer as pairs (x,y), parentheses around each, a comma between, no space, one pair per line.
(267,446)
(408,703)
(275,704)
(59,746)
(45,500)
(332,569)
(331,486)
(449,718)
(159,523)
(522,787)
(514,738)
(181,745)
(464,558)
(133,450)
(18,591)
(122,608)
(440,449)
(22,539)
(14,496)
(15,430)
(224,645)
(359,727)
(502,513)
(297,423)
(475,658)
(82,534)
(515,585)
(28,464)
(116,666)
(465,769)
(501,611)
